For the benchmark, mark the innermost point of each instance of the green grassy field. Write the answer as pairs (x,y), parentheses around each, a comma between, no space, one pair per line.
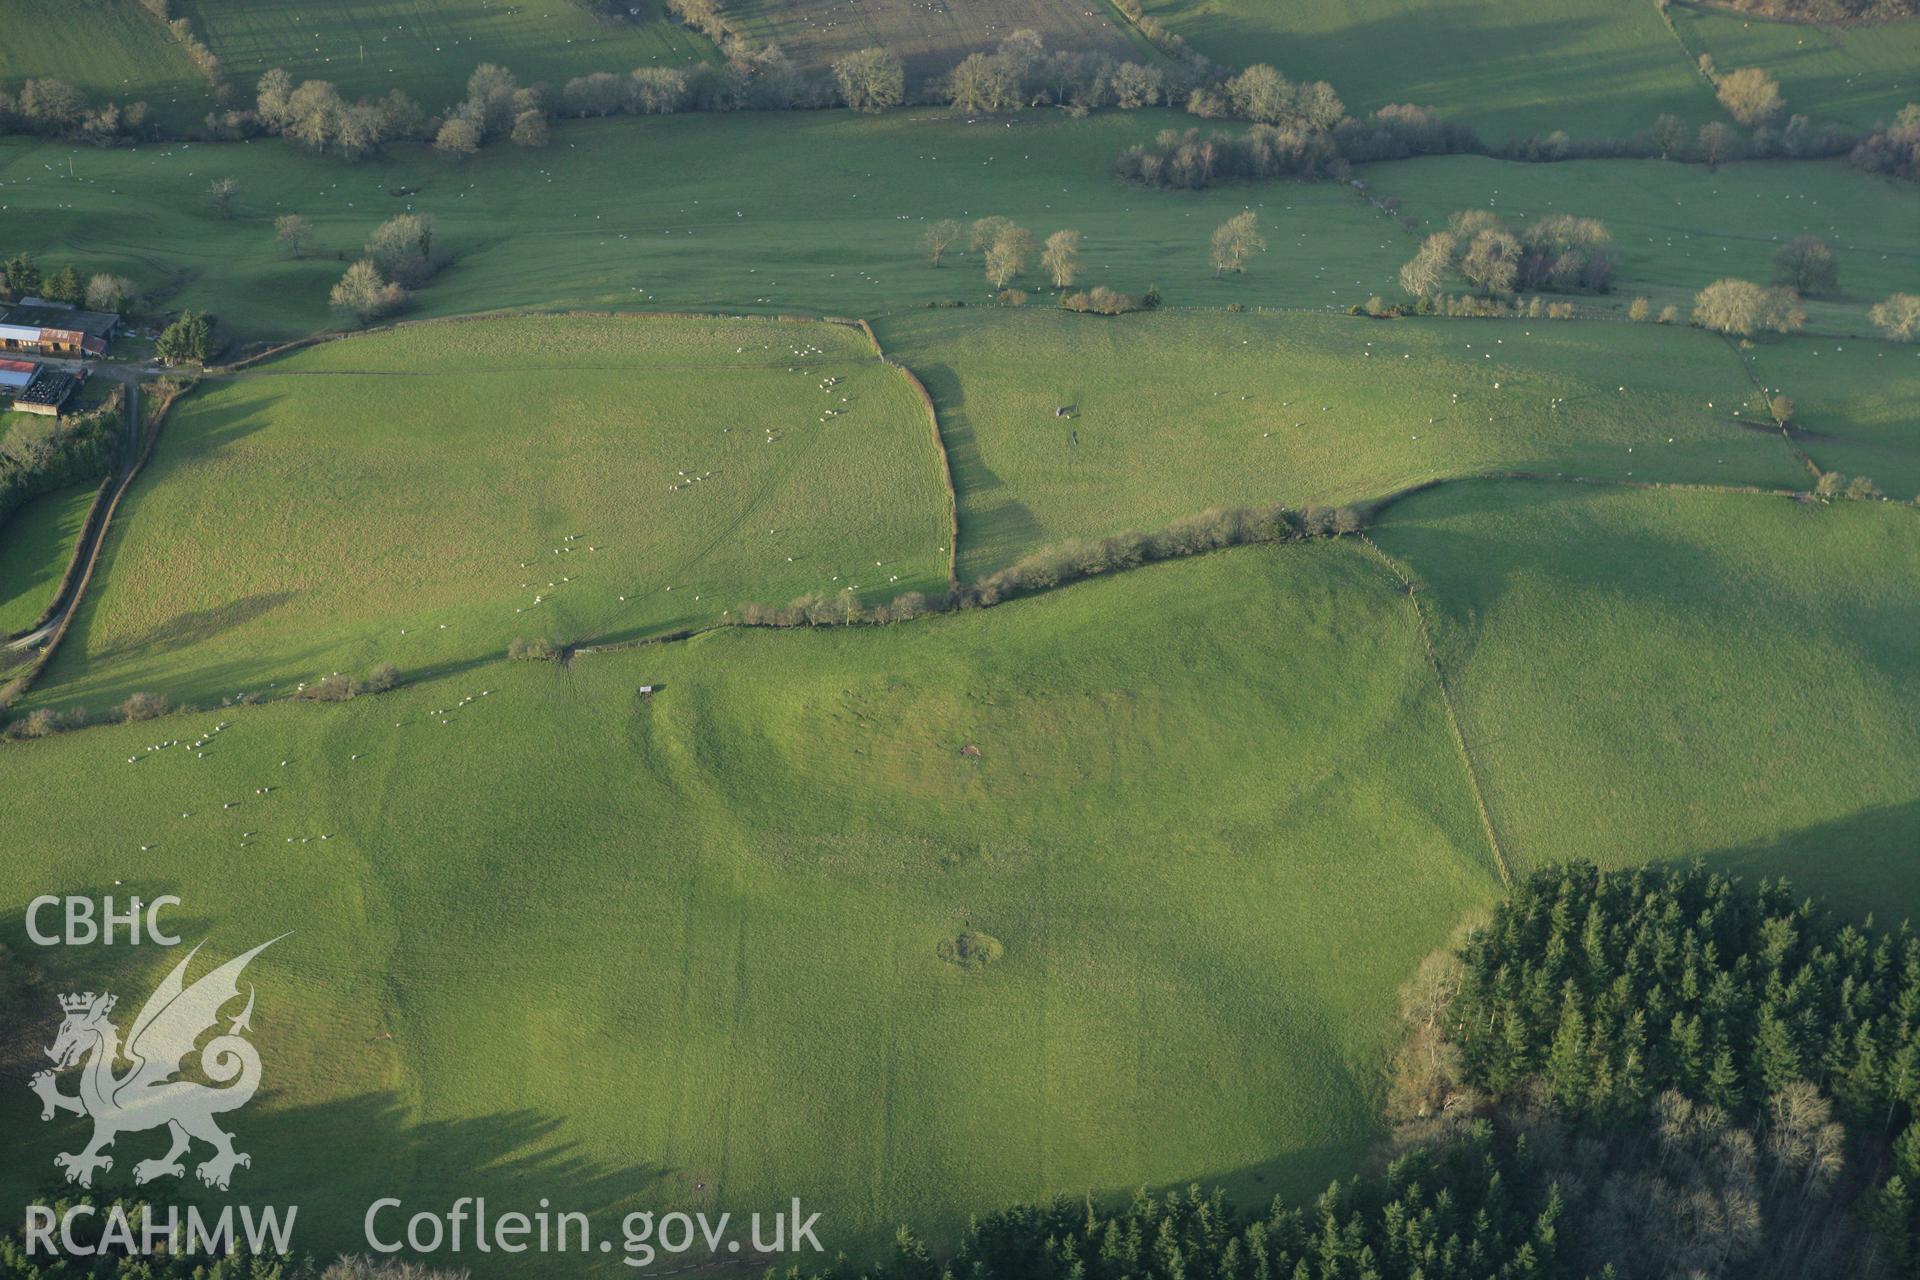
(819,211)
(554,937)
(1591,67)
(1858,76)
(1661,675)
(1857,406)
(422,497)
(1680,227)
(36,543)
(1175,413)
(119,51)
(627,946)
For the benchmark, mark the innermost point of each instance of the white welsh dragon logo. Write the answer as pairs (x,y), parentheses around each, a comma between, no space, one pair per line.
(148,1095)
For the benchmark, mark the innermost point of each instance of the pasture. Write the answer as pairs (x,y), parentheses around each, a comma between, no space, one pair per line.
(119,51)
(1511,69)
(422,497)
(813,211)
(636,951)
(367,47)
(36,543)
(1173,413)
(932,35)
(1646,676)
(1851,75)
(1679,227)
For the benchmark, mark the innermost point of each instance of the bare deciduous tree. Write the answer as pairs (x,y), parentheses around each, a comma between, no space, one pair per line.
(939,237)
(871,79)
(1061,258)
(1234,241)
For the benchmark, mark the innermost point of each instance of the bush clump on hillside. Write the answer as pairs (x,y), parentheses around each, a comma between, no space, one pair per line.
(145,706)
(1102,301)
(340,688)
(538,649)
(971,950)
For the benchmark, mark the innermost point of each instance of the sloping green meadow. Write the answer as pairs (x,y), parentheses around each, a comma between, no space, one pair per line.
(682,949)
(1662,675)
(1511,69)
(424,496)
(1171,413)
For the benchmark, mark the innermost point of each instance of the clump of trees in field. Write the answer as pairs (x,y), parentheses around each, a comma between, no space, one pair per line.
(973,949)
(1234,242)
(1750,95)
(1103,301)
(1898,317)
(871,79)
(1022,72)
(313,114)
(401,255)
(1559,253)
(53,108)
(1056,566)
(1834,484)
(1741,308)
(1893,148)
(1807,264)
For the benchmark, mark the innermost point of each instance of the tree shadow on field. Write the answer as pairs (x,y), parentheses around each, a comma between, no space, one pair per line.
(994,529)
(1867,863)
(199,625)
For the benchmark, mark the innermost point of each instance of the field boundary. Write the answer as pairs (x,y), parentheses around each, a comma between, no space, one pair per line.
(1785,428)
(939,448)
(18,686)
(52,610)
(1447,700)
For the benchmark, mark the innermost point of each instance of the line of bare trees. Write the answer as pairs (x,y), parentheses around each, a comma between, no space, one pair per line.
(1057,566)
